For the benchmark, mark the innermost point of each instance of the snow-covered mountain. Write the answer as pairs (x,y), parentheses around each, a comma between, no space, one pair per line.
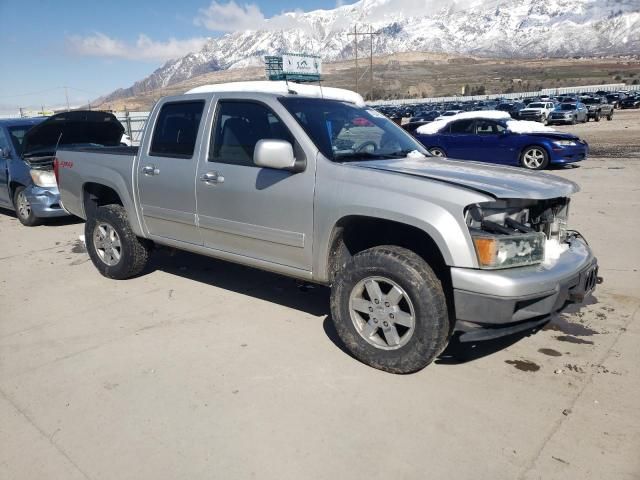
(497,28)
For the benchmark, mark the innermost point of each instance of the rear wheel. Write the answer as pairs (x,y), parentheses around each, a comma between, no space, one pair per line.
(437,152)
(534,158)
(23,208)
(112,246)
(389,309)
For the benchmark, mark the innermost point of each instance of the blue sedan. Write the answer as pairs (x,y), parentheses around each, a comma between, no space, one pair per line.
(493,141)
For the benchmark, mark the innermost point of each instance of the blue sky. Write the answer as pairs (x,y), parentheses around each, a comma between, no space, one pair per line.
(94,46)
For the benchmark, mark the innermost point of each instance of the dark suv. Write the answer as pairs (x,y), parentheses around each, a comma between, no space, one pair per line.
(598,107)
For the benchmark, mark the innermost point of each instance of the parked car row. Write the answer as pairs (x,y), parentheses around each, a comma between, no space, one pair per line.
(598,105)
(313,184)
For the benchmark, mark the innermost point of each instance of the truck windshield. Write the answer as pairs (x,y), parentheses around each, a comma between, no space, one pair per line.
(343,131)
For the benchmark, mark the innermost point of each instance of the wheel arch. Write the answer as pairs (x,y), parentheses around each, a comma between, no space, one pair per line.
(98,193)
(355,233)
(534,144)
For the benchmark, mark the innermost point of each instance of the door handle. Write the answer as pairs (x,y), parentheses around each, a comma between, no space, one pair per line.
(212,178)
(150,170)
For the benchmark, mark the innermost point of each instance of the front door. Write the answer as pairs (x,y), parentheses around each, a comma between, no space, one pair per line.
(166,172)
(493,142)
(460,140)
(262,213)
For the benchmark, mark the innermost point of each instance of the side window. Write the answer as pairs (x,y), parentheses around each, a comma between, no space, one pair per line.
(239,126)
(4,143)
(488,127)
(462,126)
(176,129)
(485,127)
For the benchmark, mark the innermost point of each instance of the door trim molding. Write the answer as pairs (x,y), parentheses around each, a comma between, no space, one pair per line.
(168,214)
(258,232)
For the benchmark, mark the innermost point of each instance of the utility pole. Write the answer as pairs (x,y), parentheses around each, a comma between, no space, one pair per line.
(371,33)
(66,94)
(355,43)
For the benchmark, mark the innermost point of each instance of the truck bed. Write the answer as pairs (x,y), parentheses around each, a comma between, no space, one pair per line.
(119,150)
(111,166)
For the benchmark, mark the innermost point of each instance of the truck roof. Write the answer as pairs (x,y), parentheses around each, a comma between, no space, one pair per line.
(281,88)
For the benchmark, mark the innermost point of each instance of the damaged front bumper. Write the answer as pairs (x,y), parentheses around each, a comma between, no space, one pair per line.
(490,304)
(45,201)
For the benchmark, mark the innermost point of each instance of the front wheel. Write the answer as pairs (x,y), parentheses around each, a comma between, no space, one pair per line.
(112,246)
(389,309)
(23,208)
(534,158)
(610,116)
(437,152)
(597,117)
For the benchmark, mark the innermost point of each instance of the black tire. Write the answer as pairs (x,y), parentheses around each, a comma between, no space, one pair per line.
(610,116)
(437,152)
(431,326)
(25,215)
(574,120)
(597,117)
(134,252)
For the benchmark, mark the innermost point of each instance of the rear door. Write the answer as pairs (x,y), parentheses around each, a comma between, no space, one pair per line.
(243,209)
(4,176)
(166,169)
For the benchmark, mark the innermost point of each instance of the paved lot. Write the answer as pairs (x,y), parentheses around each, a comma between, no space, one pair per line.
(203,369)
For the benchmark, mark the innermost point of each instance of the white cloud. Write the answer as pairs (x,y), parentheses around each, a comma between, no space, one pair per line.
(144,48)
(230,17)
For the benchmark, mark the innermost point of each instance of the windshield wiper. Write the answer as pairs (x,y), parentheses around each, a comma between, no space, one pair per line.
(345,157)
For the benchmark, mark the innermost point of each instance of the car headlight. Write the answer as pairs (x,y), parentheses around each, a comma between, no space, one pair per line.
(505,251)
(43,178)
(565,143)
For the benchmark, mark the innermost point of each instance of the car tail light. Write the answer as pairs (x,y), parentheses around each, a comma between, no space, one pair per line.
(56,166)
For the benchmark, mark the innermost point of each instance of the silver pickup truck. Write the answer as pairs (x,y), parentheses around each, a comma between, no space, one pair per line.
(308,182)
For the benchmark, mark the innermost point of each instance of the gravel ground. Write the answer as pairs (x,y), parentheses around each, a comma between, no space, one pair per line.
(204,369)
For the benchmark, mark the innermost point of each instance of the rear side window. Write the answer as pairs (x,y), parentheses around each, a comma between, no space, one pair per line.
(176,129)
(239,126)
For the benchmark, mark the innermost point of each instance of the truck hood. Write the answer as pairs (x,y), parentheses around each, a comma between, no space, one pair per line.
(497,181)
(70,128)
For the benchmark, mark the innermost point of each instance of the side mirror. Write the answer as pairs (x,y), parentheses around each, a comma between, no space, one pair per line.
(274,154)
(5,153)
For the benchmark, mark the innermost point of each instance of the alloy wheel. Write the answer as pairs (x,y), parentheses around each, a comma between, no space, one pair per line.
(24,207)
(382,313)
(107,243)
(533,158)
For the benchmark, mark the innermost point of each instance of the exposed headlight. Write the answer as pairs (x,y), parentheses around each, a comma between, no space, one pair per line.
(43,178)
(504,251)
(565,143)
